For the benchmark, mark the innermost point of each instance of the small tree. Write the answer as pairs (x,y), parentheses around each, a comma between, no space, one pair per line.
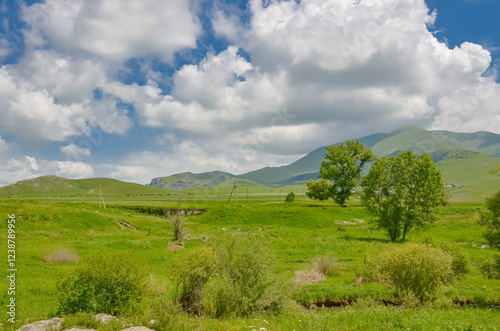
(318,189)
(490,218)
(342,166)
(404,192)
(290,197)
(177,223)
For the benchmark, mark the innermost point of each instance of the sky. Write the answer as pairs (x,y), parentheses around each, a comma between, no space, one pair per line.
(137,89)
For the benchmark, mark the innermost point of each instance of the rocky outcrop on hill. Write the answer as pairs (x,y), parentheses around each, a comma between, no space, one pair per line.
(158,183)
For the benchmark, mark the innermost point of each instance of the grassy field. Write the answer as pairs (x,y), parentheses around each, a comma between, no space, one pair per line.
(296,232)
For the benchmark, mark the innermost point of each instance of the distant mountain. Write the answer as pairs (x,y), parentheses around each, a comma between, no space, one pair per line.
(439,144)
(53,186)
(188,179)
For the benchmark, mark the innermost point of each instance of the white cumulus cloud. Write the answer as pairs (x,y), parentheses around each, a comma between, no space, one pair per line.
(115,29)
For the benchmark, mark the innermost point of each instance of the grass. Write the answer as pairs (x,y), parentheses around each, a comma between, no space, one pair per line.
(298,233)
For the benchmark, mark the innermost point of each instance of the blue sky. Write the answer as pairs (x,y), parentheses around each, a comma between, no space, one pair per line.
(135,89)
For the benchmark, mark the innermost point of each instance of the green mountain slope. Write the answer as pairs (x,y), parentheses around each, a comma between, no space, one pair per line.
(53,186)
(187,179)
(469,175)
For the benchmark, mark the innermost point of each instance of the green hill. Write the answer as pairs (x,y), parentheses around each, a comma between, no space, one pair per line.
(187,179)
(53,186)
(469,175)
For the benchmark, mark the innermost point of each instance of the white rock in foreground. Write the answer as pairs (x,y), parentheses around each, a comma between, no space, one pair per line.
(53,323)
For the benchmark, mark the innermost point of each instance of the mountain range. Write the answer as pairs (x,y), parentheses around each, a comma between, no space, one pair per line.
(454,152)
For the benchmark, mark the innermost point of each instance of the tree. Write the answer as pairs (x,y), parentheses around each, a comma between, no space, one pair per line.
(318,189)
(403,191)
(290,197)
(343,165)
(490,218)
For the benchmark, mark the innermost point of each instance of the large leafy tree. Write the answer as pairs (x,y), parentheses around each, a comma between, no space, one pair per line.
(342,166)
(403,191)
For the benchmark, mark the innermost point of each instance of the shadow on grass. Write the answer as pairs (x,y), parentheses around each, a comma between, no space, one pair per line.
(365,239)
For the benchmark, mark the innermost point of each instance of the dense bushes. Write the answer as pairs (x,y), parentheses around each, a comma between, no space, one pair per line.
(112,284)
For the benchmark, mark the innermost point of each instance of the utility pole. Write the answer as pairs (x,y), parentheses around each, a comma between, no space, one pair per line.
(101,197)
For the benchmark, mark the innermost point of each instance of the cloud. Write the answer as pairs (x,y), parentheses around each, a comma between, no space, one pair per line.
(49,97)
(72,170)
(115,30)
(352,65)
(4,48)
(73,151)
(3,146)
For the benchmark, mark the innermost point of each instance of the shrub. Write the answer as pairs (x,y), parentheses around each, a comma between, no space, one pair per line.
(491,267)
(490,218)
(112,284)
(290,197)
(416,269)
(460,265)
(60,256)
(192,275)
(245,284)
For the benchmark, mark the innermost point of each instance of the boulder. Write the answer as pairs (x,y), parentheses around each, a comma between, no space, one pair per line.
(53,323)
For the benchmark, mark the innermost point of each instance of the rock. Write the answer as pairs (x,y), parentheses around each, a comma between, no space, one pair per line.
(138,328)
(104,318)
(53,323)
(75,329)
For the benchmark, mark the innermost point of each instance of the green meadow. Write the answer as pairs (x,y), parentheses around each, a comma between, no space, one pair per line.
(296,233)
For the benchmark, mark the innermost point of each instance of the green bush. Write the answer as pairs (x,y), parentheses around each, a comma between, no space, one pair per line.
(490,218)
(491,267)
(245,284)
(112,284)
(461,264)
(290,197)
(416,269)
(192,276)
